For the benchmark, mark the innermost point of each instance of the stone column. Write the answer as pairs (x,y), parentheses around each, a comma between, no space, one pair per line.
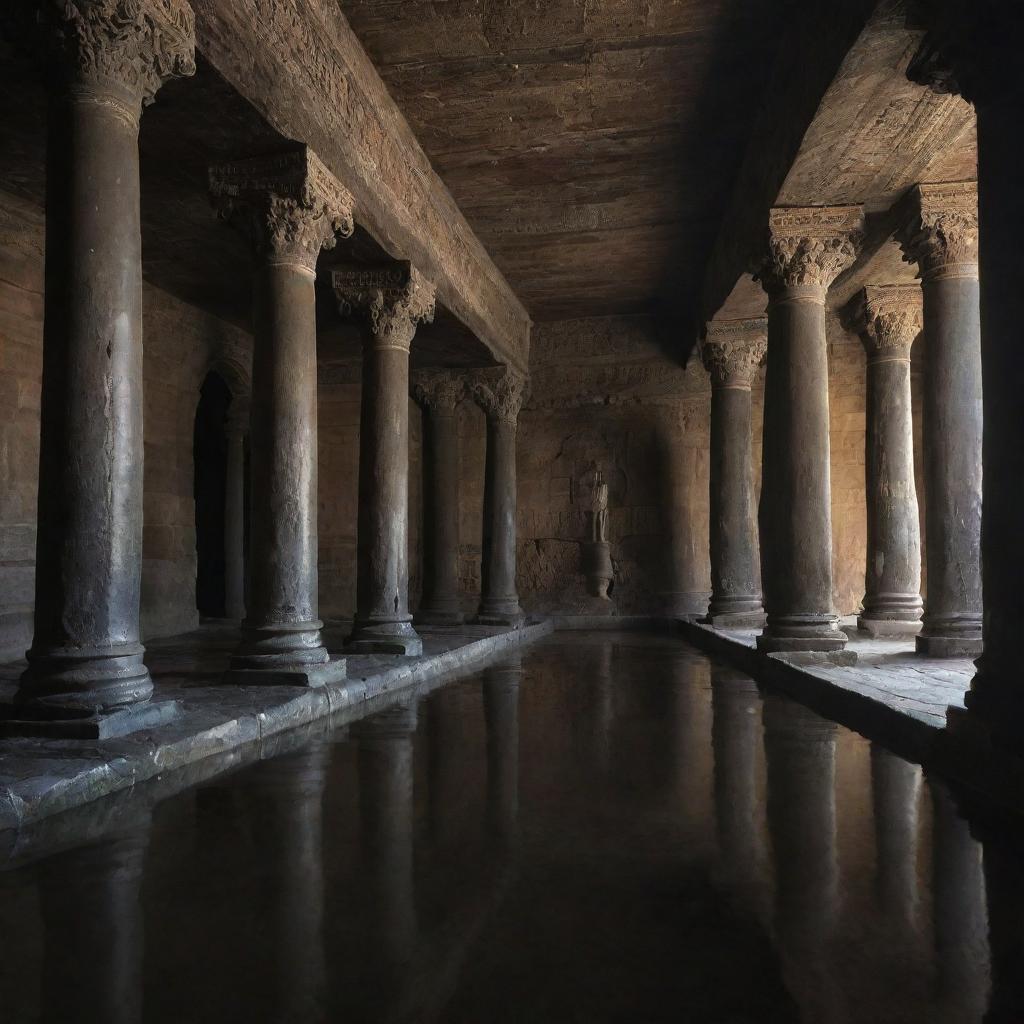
(234,513)
(438,392)
(393,300)
(290,207)
(941,236)
(732,351)
(104,62)
(890,320)
(808,249)
(500,392)
(386,809)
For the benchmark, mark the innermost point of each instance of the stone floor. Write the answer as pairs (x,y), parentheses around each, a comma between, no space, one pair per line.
(222,725)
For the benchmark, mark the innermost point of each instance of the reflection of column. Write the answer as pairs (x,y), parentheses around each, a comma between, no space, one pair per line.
(691,747)
(958,909)
(234,512)
(289,207)
(104,62)
(890,320)
(500,392)
(393,300)
(600,706)
(386,809)
(732,352)
(801,754)
(94,931)
(941,236)
(445,762)
(501,713)
(808,249)
(439,393)
(1004,883)
(737,740)
(895,784)
(294,786)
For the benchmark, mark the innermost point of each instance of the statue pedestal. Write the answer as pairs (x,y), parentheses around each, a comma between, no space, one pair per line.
(597,567)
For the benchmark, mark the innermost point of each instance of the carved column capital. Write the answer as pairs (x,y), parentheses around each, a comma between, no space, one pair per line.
(289,206)
(732,351)
(809,247)
(500,391)
(123,50)
(440,390)
(940,229)
(889,319)
(394,299)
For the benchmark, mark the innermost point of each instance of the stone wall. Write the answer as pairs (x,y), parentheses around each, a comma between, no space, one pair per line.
(181,345)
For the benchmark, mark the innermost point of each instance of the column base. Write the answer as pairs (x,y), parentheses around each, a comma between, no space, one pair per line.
(62,723)
(931,646)
(94,678)
(287,650)
(736,620)
(390,637)
(505,612)
(802,633)
(889,627)
(332,671)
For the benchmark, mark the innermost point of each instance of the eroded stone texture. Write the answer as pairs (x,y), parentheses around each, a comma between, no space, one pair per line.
(732,352)
(289,207)
(940,235)
(393,301)
(807,249)
(104,61)
(890,320)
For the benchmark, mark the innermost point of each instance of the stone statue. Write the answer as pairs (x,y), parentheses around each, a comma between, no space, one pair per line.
(599,509)
(597,558)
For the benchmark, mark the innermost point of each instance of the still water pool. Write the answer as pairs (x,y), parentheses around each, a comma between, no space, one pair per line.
(602,828)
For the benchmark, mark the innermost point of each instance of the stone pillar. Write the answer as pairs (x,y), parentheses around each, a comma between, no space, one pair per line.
(393,300)
(235,512)
(289,207)
(438,392)
(732,351)
(940,235)
(889,320)
(808,249)
(500,392)
(104,62)
(501,713)
(386,809)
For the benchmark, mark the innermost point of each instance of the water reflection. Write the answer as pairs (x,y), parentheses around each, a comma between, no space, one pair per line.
(603,829)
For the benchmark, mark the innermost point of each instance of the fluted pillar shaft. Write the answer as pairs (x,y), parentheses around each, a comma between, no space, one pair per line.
(732,352)
(941,236)
(102,65)
(890,319)
(289,207)
(393,300)
(808,249)
(438,394)
(501,393)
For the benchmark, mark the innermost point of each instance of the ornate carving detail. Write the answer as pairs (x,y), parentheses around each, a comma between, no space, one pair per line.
(733,350)
(289,205)
(394,299)
(438,389)
(889,319)
(129,47)
(940,230)
(809,246)
(500,391)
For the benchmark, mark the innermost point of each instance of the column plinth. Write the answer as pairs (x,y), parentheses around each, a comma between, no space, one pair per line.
(438,393)
(289,207)
(103,63)
(500,392)
(941,237)
(808,249)
(890,320)
(393,300)
(732,352)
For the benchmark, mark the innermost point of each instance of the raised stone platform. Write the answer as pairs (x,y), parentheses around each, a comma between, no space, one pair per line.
(221,726)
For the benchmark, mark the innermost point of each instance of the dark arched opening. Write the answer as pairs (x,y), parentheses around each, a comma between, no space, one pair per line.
(210,459)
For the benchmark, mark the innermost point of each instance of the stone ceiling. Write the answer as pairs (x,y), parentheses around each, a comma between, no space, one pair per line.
(591,144)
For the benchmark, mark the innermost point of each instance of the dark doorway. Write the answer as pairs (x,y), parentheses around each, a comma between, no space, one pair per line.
(210,455)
